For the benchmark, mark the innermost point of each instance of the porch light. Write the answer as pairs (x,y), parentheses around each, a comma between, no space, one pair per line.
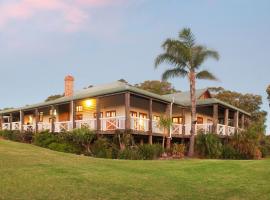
(89,103)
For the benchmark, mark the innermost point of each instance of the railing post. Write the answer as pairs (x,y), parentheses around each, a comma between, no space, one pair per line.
(52,119)
(127,110)
(226,120)
(10,121)
(72,114)
(36,119)
(21,120)
(1,122)
(215,118)
(150,112)
(183,121)
(98,113)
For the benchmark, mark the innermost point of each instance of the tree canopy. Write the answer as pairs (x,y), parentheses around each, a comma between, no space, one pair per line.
(249,102)
(268,92)
(157,87)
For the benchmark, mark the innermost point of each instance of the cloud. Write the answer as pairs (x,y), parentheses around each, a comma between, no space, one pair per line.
(72,13)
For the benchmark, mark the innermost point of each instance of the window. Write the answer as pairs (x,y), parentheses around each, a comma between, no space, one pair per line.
(156,118)
(79,117)
(143,115)
(40,116)
(101,115)
(79,108)
(133,114)
(111,113)
(177,120)
(199,120)
(209,121)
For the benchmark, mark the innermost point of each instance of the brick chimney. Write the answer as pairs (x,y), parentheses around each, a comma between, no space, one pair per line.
(69,82)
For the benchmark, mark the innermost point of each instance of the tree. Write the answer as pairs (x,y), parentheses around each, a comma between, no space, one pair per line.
(249,102)
(268,92)
(165,123)
(186,59)
(158,87)
(54,97)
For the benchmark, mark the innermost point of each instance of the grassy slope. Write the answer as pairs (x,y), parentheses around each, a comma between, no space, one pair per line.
(29,172)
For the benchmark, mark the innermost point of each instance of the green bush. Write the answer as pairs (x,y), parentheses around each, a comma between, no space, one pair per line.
(150,152)
(44,139)
(130,154)
(64,147)
(12,135)
(178,150)
(208,145)
(102,148)
(228,152)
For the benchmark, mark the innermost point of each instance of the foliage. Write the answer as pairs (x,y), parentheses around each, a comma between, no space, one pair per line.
(178,150)
(249,102)
(130,154)
(102,148)
(268,92)
(246,143)
(228,152)
(54,97)
(158,87)
(44,139)
(265,146)
(83,137)
(17,136)
(208,145)
(186,58)
(150,152)
(64,147)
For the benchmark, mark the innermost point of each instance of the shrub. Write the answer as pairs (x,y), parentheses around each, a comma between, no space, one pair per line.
(64,147)
(83,137)
(27,137)
(44,139)
(208,145)
(12,135)
(149,152)
(178,150)
(101,148)
(228,152)
(130,154)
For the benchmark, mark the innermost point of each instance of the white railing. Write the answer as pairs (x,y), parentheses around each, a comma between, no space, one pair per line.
(204,128)
(112,123)
(221,129)
(5,126)
(156,127)
(63,126)
(231,130)
(139,124)
(43,126)
(177,129)
(16,126)
(90,124)
(29,128)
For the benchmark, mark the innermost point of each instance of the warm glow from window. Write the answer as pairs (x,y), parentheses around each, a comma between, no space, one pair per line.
(89,103)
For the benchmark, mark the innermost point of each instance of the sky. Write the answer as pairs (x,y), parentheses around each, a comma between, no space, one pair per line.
(100,41)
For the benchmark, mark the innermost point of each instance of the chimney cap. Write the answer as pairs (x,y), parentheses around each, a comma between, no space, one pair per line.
(69,78)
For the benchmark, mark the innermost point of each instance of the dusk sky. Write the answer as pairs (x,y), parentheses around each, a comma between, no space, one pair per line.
(100,41)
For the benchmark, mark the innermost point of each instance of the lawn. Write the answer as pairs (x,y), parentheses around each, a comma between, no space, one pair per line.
(30,172)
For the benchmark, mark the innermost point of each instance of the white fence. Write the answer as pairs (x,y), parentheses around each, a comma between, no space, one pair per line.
(112,123)
(90,124)
(63,126)
(139,124)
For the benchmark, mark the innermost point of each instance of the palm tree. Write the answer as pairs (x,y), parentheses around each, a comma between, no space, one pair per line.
(165,123)
(186,58)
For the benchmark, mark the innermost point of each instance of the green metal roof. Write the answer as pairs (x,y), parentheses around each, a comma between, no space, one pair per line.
(181,99)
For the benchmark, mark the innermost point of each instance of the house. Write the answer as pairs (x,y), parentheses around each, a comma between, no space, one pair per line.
(120,106)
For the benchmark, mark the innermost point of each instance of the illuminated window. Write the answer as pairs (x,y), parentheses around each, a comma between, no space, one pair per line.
(177,120)
(156,118)
(143,115)
(199,120)
(111,113)
(41,116)
(79,117)
(101,115)
(133,114)
(79,108)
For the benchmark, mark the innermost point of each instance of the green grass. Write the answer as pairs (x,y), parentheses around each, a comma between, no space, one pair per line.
(30,172)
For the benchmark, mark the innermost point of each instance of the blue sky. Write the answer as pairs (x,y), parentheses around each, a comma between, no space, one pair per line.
(99,41)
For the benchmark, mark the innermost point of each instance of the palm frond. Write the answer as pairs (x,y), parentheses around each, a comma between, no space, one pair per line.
(169,59)
(187,37)
(200,54)
(205,75)
(175,72)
